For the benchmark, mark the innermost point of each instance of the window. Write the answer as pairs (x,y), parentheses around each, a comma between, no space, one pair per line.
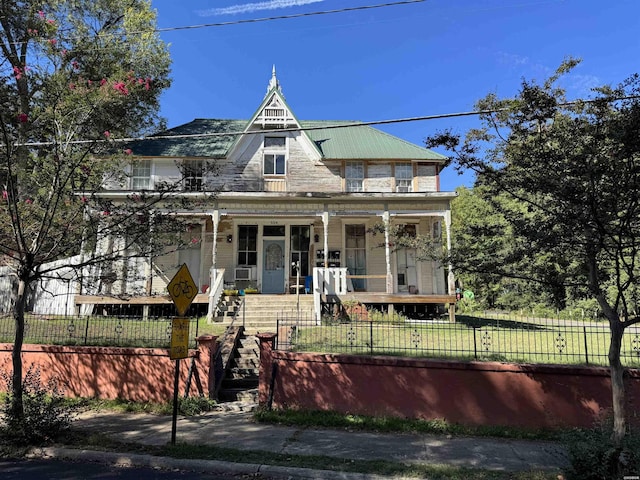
(193,175)
(247,245)
(275,142)
(275,155)
(141,175)
(404,177)
(354,176)
(273,231)
(300,240)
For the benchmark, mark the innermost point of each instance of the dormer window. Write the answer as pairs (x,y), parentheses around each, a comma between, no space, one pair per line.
(275,156)
(404,177)
(354,176)
(193,175)
(141,175)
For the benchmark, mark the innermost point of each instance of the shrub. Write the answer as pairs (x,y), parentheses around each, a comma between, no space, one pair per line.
(382,317)
(593,455)
(47,414)
(190,406)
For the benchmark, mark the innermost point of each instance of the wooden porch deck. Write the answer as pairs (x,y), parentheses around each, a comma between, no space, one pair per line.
(133,300)
(391,299)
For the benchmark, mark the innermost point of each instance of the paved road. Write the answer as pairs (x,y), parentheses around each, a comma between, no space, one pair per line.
(53,469)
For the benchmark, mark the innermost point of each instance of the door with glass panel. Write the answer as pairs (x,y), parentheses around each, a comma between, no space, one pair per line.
(273,267)
(356,254)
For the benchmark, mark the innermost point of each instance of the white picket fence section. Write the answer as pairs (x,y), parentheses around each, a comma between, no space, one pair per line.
(53,295)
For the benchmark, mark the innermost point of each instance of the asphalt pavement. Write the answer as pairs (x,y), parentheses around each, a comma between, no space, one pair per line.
(238,430)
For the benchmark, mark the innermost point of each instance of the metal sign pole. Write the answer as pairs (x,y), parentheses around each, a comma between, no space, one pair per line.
(174,421)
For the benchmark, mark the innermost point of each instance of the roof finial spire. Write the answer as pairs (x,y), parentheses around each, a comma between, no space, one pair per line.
(273,83)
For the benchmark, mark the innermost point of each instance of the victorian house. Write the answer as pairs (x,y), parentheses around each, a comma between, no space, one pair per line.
(293,208)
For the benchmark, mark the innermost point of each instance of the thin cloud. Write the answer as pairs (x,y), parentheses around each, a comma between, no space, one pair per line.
(255,7)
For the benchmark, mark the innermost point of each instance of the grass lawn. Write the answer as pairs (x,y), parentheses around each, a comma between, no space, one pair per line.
(102,330)
(470,338)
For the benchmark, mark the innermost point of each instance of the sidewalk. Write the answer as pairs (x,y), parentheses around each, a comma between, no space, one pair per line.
(239,431)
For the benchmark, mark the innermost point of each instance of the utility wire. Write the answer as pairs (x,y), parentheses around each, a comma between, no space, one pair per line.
(286,17)
(304,129)
(251,20)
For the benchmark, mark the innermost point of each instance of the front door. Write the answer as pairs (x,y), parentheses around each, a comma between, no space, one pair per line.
(273,267)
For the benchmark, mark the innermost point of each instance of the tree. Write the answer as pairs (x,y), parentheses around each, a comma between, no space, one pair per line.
(572,171)
(483,241)
(76,74)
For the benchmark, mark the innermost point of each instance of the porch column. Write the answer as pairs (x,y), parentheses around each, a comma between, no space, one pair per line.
(387,251)
(325,224)
(148,274)
(451,280)
(215,219)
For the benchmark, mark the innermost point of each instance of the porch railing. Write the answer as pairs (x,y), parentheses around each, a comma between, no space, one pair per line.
(215,293)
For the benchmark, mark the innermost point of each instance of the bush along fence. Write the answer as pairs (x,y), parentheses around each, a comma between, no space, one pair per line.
(482,338)
(116,331)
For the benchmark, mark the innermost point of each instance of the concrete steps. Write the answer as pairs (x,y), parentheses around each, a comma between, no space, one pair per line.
(240,383)
(260,312)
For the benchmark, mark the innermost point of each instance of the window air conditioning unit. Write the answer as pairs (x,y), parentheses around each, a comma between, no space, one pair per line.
(243,273)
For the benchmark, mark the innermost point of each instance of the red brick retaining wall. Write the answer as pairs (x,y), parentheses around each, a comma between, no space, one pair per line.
(137,374)
(471,393)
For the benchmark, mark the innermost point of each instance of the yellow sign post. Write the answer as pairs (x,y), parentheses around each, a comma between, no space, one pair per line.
(182,290)
(179,338)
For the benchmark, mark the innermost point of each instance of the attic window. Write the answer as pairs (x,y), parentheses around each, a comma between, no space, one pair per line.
(274,142)
(275,156)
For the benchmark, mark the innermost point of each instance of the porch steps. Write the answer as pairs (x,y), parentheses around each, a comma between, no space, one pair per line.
(262,311)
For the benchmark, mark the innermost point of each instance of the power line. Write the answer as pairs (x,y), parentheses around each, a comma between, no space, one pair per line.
(303,129)
(286,17)
(254,20)
(259,132)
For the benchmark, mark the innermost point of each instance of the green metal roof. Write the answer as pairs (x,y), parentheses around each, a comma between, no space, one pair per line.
(215,146)
(363,143)
(343,143)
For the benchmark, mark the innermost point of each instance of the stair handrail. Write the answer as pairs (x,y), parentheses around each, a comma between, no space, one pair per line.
(215,291)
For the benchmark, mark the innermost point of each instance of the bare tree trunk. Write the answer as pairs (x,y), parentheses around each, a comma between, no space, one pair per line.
(17,406)
(617,383)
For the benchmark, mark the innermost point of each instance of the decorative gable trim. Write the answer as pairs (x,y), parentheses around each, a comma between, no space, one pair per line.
(274,114)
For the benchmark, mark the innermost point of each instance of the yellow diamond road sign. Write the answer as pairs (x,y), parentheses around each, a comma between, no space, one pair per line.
(182,290)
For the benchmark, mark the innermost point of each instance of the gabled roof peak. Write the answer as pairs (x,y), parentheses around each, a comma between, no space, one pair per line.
(273,82)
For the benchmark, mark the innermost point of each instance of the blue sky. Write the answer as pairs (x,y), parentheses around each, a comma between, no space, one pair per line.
(432,57)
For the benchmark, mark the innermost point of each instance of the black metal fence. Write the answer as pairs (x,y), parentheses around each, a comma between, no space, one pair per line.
(119,331)
(480,338)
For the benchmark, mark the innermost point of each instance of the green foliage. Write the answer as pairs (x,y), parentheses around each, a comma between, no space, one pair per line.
(46,416)
(562,182)
(594,456)
(438,426)
(187,406)
(195,405)
(381,317)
